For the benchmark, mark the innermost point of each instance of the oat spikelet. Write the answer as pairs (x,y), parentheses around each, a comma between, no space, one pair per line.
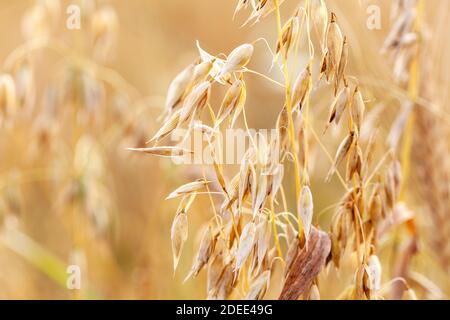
(259,287)
(207,245)
(341,153)
(289,35)
(195,100)
(7,95)
(338,107)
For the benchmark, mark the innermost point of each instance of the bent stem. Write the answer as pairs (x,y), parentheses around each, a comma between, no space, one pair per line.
(274,227)
(413,89)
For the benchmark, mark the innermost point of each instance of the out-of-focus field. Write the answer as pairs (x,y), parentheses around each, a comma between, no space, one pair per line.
(70,191)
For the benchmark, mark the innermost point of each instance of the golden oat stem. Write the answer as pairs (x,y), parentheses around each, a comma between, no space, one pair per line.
(274,227)
(290,120)
(413,88)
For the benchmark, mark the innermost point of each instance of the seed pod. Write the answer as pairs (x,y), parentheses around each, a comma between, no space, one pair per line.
(334,44)
(105,26)
(362,283)
(188,188)
(374,269)
(234,100)
(179,87)
(306,209)
(301,140)
(261,194)
(215,270)
(246,243)
(202,71)
(237,59)
(195,100)
(219,174)
(263,232)
(301,88)
(358,109)
(341,153)
(375,206)
(7,95)
(289,35)
(259,287)
(342,65)
(179,234)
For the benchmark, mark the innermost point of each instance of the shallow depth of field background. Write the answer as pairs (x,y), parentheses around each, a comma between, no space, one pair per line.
(132,258)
